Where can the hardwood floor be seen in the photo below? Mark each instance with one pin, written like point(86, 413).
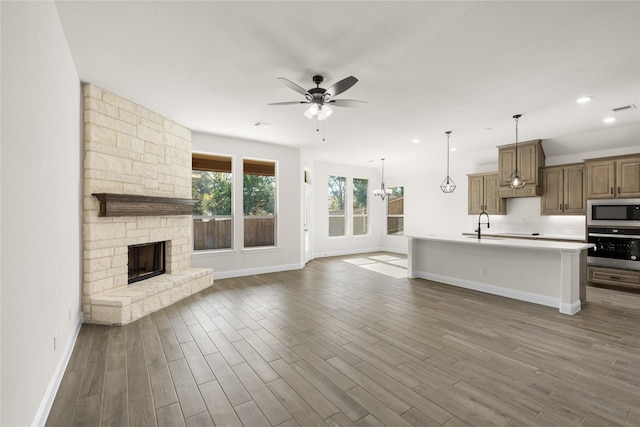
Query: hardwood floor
point(349, 342)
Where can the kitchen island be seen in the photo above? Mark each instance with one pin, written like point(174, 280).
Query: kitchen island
point(543, 272)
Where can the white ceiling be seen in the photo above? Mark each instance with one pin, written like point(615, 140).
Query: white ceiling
point(424, 67)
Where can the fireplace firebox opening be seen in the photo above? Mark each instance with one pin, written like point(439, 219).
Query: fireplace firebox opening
point(146, 260)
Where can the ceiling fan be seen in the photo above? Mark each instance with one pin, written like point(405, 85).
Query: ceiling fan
point(319, 99)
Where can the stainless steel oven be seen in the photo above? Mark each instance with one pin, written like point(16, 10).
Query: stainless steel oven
point(613, 226)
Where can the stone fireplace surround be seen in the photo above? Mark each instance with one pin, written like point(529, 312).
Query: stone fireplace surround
point(131, 150)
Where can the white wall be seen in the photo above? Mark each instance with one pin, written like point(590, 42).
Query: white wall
point(330, 246)
point(40, 209)
point(430, 211)
point(287, 254)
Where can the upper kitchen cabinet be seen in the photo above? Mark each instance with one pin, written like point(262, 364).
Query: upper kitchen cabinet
point(483, 195)
point(563, 190)
point(614, 177)
point(530, 161)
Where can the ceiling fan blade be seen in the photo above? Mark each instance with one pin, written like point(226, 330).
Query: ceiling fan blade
point(341, 86)
point(294, 86)
point(288, 103)
point(346, 103)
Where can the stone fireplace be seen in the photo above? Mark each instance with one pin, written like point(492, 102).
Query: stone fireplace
point(139, 163)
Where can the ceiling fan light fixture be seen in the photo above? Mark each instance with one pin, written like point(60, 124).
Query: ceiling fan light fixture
point(318, 99)
point(324, 112)
point(312, 111)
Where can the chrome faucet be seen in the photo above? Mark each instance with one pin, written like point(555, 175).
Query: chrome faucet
point(480, 223)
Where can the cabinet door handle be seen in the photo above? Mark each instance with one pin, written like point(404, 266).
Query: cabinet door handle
point(611, 190)
point(561, 207)
point(614, 278)
point(618, 190)
point(566, 206)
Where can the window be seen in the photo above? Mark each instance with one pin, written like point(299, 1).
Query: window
point(259, 201)
point(211, 186)
point(395, 211)
point(337, 212)
point(360, 206)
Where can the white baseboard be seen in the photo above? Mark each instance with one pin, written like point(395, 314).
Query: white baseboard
point(572, 308)
point(356, 252)
point(494, 290)
point(54, 383)
point(404, 251)
point(257, 270)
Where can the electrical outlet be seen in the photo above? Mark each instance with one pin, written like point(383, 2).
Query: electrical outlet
point(483, 271)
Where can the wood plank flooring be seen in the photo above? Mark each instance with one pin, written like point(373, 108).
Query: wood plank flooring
point(347, 342)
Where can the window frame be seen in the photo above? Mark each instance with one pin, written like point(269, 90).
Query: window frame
point(388, 215)
point(210, 162)
point(366, 215)
point(269, 168)
point(344, 208)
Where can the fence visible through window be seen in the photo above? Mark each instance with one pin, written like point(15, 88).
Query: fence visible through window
point(395, 212)
point(211, 186)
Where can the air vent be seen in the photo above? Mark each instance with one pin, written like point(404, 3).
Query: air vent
point(626, 107)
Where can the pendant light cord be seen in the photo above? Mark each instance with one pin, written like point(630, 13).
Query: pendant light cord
point(517, 116)
point(448, 133)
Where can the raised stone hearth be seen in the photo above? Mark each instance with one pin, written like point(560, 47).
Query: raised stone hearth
point(130, 150)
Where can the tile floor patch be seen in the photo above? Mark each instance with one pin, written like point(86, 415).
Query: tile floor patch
point(384, 258)
point(387, 270)
point(400, 263)
point(359, 261)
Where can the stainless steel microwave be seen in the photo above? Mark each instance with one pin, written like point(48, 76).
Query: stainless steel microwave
point(614, 212)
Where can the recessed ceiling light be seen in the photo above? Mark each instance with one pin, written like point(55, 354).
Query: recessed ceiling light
point(584, 99)
point(452, 149)
point(415, 140)
point(609, 119)
point(487, 129)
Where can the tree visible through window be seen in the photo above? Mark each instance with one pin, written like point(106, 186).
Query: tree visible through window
point(337, 201)
point(360, 206)
point(211, 186)
point(395, 211)
point(259, 201)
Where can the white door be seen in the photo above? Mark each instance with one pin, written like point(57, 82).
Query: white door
point(308, 206)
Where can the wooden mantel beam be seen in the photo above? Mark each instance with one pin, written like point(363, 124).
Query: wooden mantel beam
point(135, 205)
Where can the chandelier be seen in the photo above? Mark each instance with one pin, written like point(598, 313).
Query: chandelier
point(382, 191)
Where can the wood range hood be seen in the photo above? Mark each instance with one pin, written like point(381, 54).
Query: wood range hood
point(136, 205)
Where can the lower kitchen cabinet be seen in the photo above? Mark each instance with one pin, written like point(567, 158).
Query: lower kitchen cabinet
point(613, 277)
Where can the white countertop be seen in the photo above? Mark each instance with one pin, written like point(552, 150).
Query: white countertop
point(532, 236)
point(508, 242)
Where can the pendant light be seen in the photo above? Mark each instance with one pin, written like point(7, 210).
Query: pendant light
point(516, 180)
point(382, 191)
point(448, 185)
